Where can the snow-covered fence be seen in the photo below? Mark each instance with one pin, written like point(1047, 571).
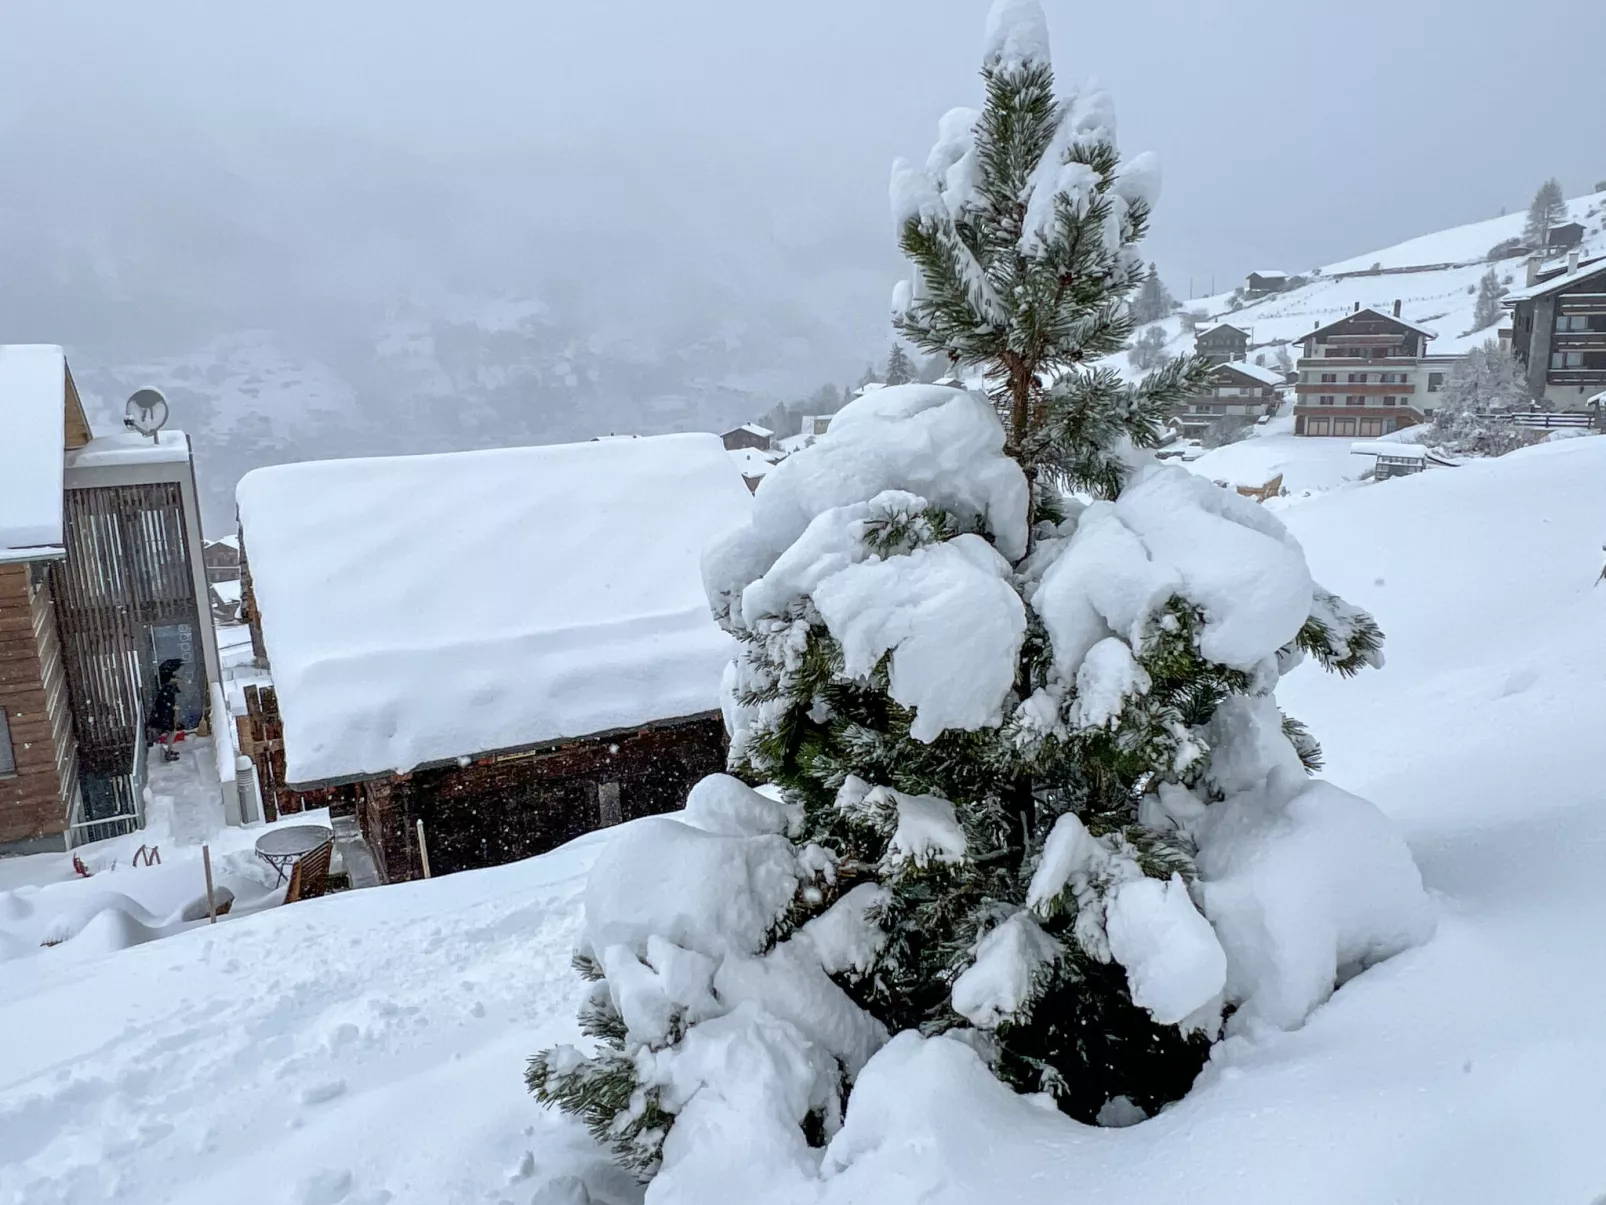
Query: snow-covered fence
point(1551, 421)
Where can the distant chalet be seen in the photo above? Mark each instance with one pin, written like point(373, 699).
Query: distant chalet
point(1365, 375)
point(1222, 343)
point(513, 646)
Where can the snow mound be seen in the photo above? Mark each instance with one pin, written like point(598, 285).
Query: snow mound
point(1173, 533)
point(1174, 963)
point(1305, 884)
point(703, 891)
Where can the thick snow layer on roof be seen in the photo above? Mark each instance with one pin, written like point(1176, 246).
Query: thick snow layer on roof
point(418, 608)
point(1562, 280)
point(33, 400)
point(1268, 376)
point(130, 447)
point(755, 429)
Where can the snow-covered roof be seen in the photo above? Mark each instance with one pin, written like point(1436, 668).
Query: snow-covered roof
point(1220, 326)
point(130, 447)
point(1563, 280)
point(227, 541)
point(755, 429)
point(752, 462)
point(421, 608)
point(33, 417)
point(1270, 273)
point(228, 592)
point(1266, 376)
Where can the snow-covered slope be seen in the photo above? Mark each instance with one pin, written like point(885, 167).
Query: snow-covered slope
point(1433, 277)
point(369, 1047)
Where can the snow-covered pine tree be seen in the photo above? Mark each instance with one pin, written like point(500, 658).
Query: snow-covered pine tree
point(1006, 671)
point(1154, 300)
point(1487, 311)
point(900, 371)
point(1548, 209)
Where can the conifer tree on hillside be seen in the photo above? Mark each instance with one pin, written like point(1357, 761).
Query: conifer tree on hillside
point(1154, 300)
point(1148, 349)
point(1488, 310)
point(1548, 209)
point(1003, 667)
point(900, 371)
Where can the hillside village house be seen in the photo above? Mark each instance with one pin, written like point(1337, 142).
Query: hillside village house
point(512, 646)
point(100, 583)
point(1238, 390)
point(1258, 284)
point(1558, 332)
point(1366, 375)
point(748, 435)
point(1222, 343)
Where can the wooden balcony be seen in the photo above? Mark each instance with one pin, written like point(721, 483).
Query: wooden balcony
point(1370, 389)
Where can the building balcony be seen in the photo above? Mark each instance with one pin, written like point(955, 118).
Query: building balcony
point(1370, 389)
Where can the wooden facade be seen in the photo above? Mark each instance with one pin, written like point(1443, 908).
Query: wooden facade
point(497, 807)
point(749, 436)
point(1559, 335)
point(36, 793)
point(1222, 343)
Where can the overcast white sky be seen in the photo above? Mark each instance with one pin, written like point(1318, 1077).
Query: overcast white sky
point(1290, 132)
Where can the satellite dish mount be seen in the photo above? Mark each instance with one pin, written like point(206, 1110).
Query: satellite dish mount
point(146, 412)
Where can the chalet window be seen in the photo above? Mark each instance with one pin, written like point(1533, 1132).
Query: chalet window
point(1317, 426)
point(1343, 426)
point(1329, 378)
point(8, 757)
point(1566, 359)
point(1572, 322)
point(1325, 400)
point(608, 810)
point(1435, 382)
point(1389, 401)
point(1372, 426)
point(1354, 399)
point(1357, 378)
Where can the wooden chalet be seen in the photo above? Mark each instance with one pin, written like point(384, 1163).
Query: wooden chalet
point(1222, 343)
point(1233, 391)
point(222, 559)
point(100, 582)
point(500, 650)
point(748, 435)
point(1265, 281)
point(1365, 375)
point(1558, 332)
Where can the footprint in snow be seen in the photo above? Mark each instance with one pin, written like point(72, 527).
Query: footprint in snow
point(317, 1094)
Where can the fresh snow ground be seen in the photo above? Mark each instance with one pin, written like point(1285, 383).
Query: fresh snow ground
point(370, 1047)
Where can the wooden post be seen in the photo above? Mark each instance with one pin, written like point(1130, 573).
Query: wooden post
point(423, 849)
point(211, 904)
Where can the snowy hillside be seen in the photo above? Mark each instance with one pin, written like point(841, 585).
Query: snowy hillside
point(1434, 278)
point(369, 1048)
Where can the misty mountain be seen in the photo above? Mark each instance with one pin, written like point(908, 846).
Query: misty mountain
point(309, 293)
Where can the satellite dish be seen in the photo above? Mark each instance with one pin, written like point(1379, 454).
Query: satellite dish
point(146, 412)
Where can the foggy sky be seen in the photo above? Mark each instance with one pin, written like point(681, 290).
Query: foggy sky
point(757, 136)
